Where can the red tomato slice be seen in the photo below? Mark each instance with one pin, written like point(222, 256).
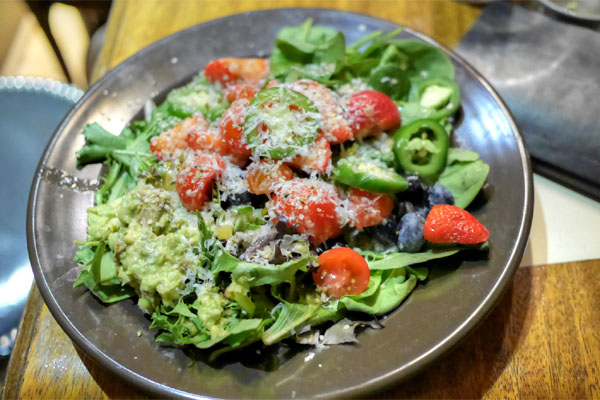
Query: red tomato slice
point(371, 113)
point(343, 271)
point(229, 71)
point(231, 128)
point(263, 175)
point(195, 178)
point(318, 157)
point(309, 205)
point(368, 209)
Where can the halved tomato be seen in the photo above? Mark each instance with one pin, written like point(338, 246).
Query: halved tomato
point(343, 271)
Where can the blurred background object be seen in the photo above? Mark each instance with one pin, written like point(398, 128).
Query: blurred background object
point(49, 42)
point(50, 39)
point(586, 10)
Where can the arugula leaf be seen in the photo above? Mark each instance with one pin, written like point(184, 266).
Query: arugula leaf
point(258, 274)
point(464, 176)
point(397, 260)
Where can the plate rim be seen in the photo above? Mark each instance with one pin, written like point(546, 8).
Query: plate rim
point(564, 11)
point(377, 384)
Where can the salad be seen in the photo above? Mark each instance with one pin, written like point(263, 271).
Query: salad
point(288, 198)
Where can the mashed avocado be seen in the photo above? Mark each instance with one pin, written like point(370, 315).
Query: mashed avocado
point(154, 239)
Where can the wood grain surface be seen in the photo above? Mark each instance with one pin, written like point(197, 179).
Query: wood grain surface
point(542, 341)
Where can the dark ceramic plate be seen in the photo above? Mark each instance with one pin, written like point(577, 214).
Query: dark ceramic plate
point(434, 318)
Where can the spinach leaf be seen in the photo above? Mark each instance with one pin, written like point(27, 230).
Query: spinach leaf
point(391, 80)
point(307, 51)
point(456, 155)
point(424, 60)
point(300, 43)
point(464, 178)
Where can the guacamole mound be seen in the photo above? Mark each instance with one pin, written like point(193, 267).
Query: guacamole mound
point(154, 239)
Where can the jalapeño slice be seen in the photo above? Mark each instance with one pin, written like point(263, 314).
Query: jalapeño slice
point(367, 175)
point(280, 122)
point(422, 148)
point(440, 95)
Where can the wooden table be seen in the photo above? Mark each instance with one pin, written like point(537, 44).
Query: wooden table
point(542, 340)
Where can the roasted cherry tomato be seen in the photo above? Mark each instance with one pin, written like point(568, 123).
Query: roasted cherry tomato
point(206, 140)
point(310, 206)
point(333, 124)
point(231, 128)
point(241, 91)
point(264, 175)
point(279, 122)
point(317, 157)
point(343, 271)
point(229, 71)
point(169, 142)
point(370, 113)
point(369, 176)
point(195, 178)
point(422, 148)
point(368, 209)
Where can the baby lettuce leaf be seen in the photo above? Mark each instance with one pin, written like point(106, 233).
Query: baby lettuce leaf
point(99, 274)
point(258, 274)
point(464, 176)
point(288, 317)
point(393, 289)
point(398, 260)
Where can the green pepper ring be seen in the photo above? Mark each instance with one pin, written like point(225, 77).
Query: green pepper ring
point(437, 161)
point(370, 177)
point(417, 92)
point(280, 149)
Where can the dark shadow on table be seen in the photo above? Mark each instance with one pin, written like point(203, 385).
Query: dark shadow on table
point(471, 369)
